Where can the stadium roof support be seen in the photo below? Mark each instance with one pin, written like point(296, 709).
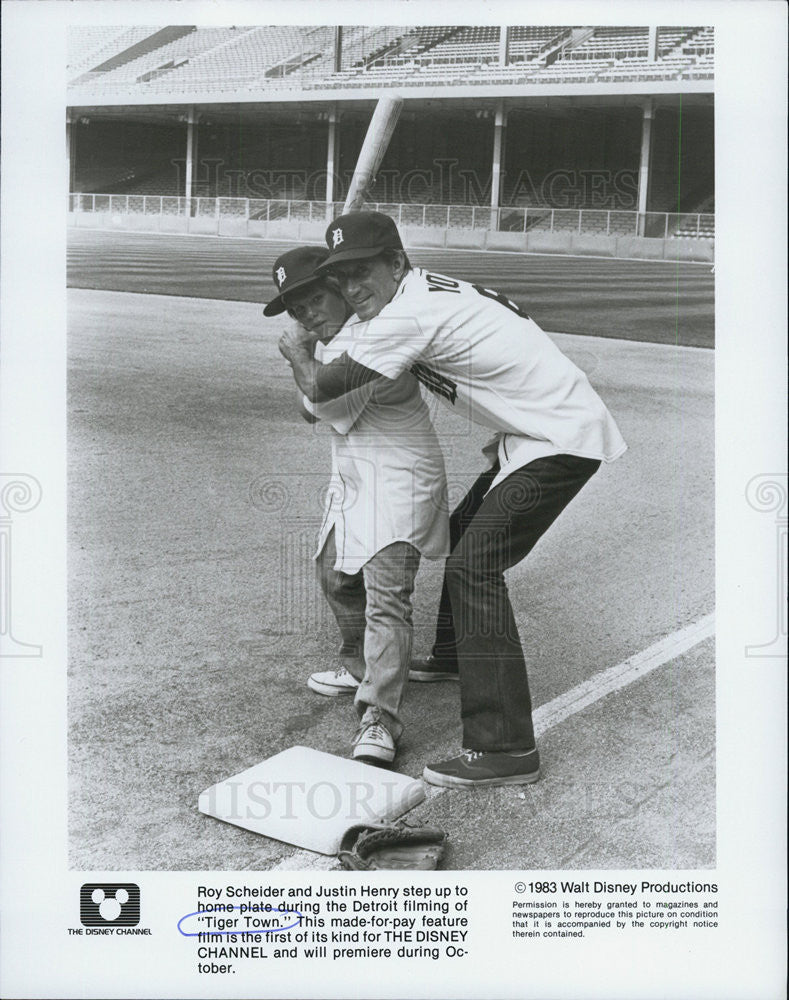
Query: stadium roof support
point(652, 44)
point(191, 155)
point(337, 49)
point(71, 152)
point(498, 157)
point(645, 160)
point(504, 45)
point(332, 156)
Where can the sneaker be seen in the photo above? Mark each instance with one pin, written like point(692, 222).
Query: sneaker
point(333, 682)
point(374, 744)
point(430, 669)
point(486, 767)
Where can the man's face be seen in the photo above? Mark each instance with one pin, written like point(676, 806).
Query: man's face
point(319, 309)
point(367, 285)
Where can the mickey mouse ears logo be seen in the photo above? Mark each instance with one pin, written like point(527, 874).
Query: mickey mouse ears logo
point(109, 905)
point(106, 904)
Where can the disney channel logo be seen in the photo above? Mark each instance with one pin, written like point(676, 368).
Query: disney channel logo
point(109, 904)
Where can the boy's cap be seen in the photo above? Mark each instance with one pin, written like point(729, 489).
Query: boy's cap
point(358, 235)
point(293, 270)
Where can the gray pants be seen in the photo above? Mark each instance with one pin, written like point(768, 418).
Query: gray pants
point(374, 615)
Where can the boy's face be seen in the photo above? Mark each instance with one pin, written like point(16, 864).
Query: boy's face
point(367, 285)
point(319, 309)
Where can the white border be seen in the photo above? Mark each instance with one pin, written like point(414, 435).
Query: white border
point(746, 958)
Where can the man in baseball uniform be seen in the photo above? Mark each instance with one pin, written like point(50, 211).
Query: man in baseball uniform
point(386, 507)
point(486, 359)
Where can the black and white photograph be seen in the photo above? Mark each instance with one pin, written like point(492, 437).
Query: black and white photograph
point(538, 237)
point(392, 457)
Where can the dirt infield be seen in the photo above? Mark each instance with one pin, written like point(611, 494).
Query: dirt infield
point(194, 618)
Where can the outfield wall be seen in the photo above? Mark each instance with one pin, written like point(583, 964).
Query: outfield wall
point(417, 237)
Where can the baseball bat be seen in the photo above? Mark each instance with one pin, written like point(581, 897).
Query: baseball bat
point(376, 142)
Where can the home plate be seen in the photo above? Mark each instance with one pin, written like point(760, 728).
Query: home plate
point(309, 798)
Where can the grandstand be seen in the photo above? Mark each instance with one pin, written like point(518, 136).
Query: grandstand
point(530, 43)
point(553, 129)
point(219, 60)
point(90, 47)
point(190, 47)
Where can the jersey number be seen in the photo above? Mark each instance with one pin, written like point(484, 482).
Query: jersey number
point(440, 283)
point(438, 384)
point(501, 299)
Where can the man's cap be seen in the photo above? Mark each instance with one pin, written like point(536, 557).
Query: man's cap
point(293, 270)
point(358, 235)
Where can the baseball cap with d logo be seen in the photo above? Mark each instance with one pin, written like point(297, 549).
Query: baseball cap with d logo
point(358, 235)
point(293, 270)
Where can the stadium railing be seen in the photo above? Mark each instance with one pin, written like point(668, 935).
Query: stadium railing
point(514, 219)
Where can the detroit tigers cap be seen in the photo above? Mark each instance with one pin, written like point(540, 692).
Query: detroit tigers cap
point(358, 235)
point(293, 270)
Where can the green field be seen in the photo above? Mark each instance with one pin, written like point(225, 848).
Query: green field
point(656, 301)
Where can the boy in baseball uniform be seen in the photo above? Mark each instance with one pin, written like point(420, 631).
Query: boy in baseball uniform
point(386, 508)
point(486, 359)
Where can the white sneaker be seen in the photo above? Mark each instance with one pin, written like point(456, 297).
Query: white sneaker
point(333, 682)
point(374, 743)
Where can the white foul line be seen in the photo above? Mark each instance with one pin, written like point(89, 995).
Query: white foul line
point(575, 700)
point(635, 667)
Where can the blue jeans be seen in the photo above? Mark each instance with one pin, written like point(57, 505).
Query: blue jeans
point(476, 632)
point(374, 615)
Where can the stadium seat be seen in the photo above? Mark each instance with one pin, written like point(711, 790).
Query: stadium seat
point(250, 59)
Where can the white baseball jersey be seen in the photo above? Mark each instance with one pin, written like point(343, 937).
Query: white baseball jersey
point(388, 481)
point(489, 361)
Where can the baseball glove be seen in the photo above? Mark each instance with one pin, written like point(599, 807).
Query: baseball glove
point(392, 846)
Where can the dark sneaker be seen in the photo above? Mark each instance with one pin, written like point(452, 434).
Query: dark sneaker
point(374, 744)
point(333, 682)
point(430, 669)
point(486, 767)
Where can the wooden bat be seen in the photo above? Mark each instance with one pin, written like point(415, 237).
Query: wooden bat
point(376, 142)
